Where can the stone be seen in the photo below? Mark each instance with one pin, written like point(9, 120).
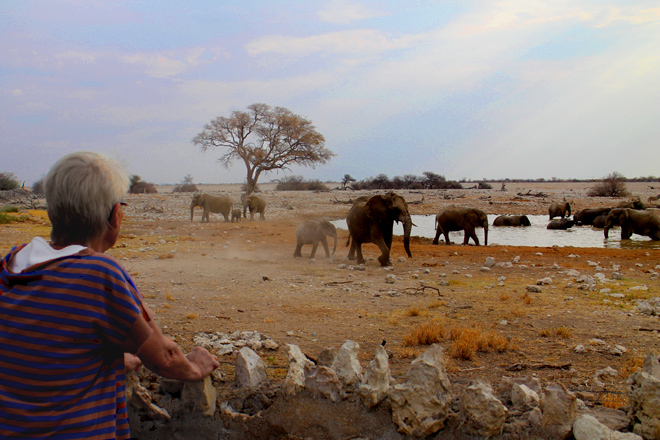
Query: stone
point(533, 289)
point(323, 381)
point(651, 365)
point(587, 427)
point(199, 397)
point(295, 376)
point(482, 414)
point(490, 262)
point(505, 386)
point(644, 397)
point(523, 397)
point(377, 379)
point(346, 364)
point(250, 369)
point(559, 409)
point(573, 273)
point(618, 350)
point(421, 404)
point(326, 357)
point(390, 278)
point(580, 348)
point(544, 281)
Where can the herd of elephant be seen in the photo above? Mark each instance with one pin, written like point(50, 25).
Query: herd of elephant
point(632, 216)
point(223, 204)
point(371, 220)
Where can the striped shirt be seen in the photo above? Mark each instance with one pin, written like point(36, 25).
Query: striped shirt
point(63, 326)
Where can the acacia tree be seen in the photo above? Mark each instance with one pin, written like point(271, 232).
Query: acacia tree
point(265, 139)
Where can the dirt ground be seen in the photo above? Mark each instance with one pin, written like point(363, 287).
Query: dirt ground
point(227, 277)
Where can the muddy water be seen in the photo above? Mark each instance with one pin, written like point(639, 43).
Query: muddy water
point(535, 235)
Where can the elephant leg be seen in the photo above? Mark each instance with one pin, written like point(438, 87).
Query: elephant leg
point(358, 251)
point(324, 242)
point(384, 258)
point(205, 216)
point(226, 216)
point(470, 233)
point(351, 251)
point(446, 234)
point(297, 252)
point(437, 236)
point(262, 216)
point(314, 246)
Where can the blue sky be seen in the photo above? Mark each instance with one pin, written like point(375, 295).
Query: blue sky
point(466, 89)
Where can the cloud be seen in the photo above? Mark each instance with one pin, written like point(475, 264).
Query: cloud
point(352, 42)
point(343, 12)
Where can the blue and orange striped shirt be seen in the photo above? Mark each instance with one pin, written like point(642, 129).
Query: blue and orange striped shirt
point(63, 325)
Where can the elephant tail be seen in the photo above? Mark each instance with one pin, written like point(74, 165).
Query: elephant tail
point(348, 240)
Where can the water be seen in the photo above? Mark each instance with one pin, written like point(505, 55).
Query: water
point(535, 235)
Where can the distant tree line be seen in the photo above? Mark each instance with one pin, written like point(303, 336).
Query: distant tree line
point(297, 183)
point(429, 180)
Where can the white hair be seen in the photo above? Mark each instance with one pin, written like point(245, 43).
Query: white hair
point(81, 190)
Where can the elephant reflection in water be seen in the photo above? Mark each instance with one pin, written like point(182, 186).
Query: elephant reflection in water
point(371, 220)
point(314, 232)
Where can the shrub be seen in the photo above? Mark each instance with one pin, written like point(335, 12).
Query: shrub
point(186, 185)
point(612, 186)
point(8, 181)
point(38, 187)
point(139, 186)
point(484, 185)
point(297, 183)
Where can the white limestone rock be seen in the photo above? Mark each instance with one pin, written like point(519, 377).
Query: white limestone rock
point(377, 379)
point(524, 397)
point(420, 405)
point(482, 414)
point(199, 397)
point(347, 366)
point(559, 409)
point(295, 376)
point(587, 427)
point(644, 397)
point(323, 381)
point(250, 369)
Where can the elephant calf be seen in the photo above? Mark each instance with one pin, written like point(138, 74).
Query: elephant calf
point(236, 215)
point(313, 232)
point(563, 223)
point(559, 209)
point(458, 218)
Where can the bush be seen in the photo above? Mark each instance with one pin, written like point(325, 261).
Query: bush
point(484, 185)
point(8, 181)
point(612, 186)
point(297, 183)
point(38, 187)
point(186, 186)
point(139, 186)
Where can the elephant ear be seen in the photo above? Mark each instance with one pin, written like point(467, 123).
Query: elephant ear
point(377, 209)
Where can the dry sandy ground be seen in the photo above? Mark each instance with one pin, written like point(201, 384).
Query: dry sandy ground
point(242, 276)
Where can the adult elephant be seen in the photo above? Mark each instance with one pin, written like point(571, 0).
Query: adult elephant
point(255, 204)
point(634, 221)
point(587, 216)
point(562, 223)
point(217, 204)
point(512, 220)
point(559, 209)
point(315, 232)
point(372, 221)
point(458, 218)
point(632, 203)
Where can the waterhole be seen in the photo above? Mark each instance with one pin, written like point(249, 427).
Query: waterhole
point(535, 235)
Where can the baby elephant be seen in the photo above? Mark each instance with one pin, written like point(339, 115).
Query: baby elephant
point(236, 215)
point(512, 220)
point(311, 232)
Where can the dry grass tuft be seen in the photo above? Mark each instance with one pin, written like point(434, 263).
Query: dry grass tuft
point(165, 256)
point(192, 316)
point(630, 366)
point(416, 310)
point(526, 298)
point(561, 332)
point(425, 334)
point(504, 296)
point(614, 400)
point(169, 296)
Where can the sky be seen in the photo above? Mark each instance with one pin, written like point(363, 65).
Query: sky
point(518, 89)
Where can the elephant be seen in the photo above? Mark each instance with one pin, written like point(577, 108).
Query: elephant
point(512, 220)
point(599, 222)
point(587, 216)
point(255, 204)
point(559, 209)
point(562, 223)
point(457, 218)
point(633, 203)
point(371, 220)
point(217, 204)
point(635, 221)
point(313, 232)
point(236, 215)
point(653, 199)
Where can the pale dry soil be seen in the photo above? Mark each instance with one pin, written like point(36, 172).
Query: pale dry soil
point(227, 277)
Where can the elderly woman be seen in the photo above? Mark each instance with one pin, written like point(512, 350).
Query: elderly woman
point(71, 318)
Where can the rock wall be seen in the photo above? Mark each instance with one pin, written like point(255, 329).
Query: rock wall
point(334, 399)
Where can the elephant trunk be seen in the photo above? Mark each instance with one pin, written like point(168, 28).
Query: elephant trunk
point(607, 229)
point(192, 211)
point(486, 234)
point(407, 227)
